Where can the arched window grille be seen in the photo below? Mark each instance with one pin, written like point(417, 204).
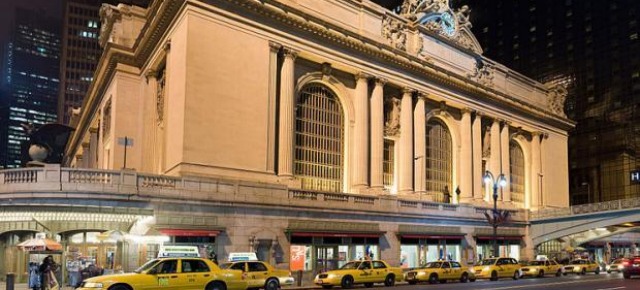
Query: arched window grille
point(516, 169)
point(319, 139)
point(439, 159)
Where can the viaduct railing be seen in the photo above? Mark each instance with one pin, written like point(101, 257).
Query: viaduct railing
point(53, 181)
point(620, 204)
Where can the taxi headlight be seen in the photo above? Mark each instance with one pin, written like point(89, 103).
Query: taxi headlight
point(486, 269)
point(422, 273)
point(332, 276)
point(621, 267)
point(92, 285)
point(608, 267)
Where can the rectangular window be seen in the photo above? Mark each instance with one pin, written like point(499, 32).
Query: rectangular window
point(388, 163)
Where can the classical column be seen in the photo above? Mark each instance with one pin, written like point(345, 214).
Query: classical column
point(93, 148)
point(361, 104)
point(466, 159)
point(476, 132)
point(535, 170)
point(287, 117)
point(377, 134)
point(543, 149)
point(274, 48)
point(406, 142)
point(494, 158)
point(150, 123)
point(506, 169)
point(85, 155)
point(419, 123)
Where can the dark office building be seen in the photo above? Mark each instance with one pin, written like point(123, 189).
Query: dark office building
point(592, 47)
point(30, 75)
point(80, 51)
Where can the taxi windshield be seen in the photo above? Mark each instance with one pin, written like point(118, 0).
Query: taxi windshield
point(433, 265)
point(147, 266)
point(488, 262)
point(577, 262)
point(536, 263)
point(350, 265)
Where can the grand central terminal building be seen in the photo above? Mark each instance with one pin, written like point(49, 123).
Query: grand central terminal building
point(311, 132)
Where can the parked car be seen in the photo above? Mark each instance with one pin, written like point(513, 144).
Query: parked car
point(541, 268)
point(494, 268)
point(261, 275)
point(581, 267)
point(617, 265)
point(440, 271)
point(633, 268)
point(360, 272)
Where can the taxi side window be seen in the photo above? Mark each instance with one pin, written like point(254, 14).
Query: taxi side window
point(500, 262)
point(446, 265)
point(237, 266)
point(167, 267)
point(365, 265)
point(378, 265)
point(257, 267)
point(455, 265)
point(194, 266)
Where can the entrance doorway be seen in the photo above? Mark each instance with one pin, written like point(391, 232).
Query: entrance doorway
point(327, 258)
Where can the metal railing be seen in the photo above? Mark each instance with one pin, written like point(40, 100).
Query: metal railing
point(619, 204)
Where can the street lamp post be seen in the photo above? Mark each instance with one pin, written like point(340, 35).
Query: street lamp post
point(498, 217)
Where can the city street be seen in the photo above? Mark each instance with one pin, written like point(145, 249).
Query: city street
point(588, 282)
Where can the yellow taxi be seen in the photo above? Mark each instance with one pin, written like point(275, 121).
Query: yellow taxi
point(261, 275)
point(581, 267)
point(171, 274)
point(440, 271)
point(494, 268)
point(617, 265)
point(541, 268)
point(360, 272)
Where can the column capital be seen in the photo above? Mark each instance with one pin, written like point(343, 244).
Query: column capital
point(362, 75)
point(380, 81)
point(289, 52)
point(274, 46)
point(167, 45)
point(85, 145)
point(93, 130)
point(150, 73)
point(467, 110)
point(422, 96)
point(408, 90)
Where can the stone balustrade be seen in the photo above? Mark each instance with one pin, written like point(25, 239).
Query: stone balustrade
point(56, 182)
point(621, 204)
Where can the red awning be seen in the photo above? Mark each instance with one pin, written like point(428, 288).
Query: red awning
point(189, 233)
point(428, 236)
point(336, 234)
point(502, 238)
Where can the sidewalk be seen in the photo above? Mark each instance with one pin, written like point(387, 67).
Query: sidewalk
point(23, 286)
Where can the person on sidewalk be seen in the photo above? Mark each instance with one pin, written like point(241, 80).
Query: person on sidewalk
point(34, 276)
point(48, 270)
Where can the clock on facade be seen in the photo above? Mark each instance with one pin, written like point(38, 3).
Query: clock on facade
point(448, 24)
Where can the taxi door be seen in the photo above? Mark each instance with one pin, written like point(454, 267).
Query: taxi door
point(257, 274)
point(365, 273)
point(379, 271)
point(194, 274)
point(456, 271)
point(445, 271)
point(166, 276)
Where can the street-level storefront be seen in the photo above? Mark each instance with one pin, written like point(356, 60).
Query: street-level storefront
point(509, 243)
point(422, 244)
point(321, 246)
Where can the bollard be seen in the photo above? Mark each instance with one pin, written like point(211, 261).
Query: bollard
point(11, 280)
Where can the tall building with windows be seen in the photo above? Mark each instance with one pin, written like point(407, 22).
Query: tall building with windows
point(589, 46)
point(80, 51)
point(30, 76)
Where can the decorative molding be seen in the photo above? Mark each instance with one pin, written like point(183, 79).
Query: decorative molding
point(395, 32)
point(322, 226)
point(483, 73)
point(392, 116)
point(556, 98)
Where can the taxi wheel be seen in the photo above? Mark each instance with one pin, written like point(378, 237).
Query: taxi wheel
point(598, 271)
point(626, 275)
point(464, 278)
point(559, 273)
point(584, 271)
point(119, 287)
point(216, 286)
point(516, 275)
point(389, 281)
point(472, 280)
point(541, 273)
point(272, 284)
point(368, 285)
point(608, 271)
point(494, 276)
point(433, 279)
point(413, 282)
point(347, 282)
point(327, 286)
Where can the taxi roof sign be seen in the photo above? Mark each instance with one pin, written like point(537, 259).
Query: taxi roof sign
point(235, 257)
point(179, 251)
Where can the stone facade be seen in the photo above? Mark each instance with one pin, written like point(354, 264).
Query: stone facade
point(209, 92)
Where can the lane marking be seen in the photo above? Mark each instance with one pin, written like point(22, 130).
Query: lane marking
point(552, 284)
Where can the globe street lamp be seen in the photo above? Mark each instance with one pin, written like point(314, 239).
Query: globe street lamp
point(497, 217)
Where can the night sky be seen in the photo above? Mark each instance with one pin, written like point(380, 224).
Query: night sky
point(51, 8)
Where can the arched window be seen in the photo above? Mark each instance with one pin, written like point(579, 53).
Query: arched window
point(319, 139)
point(516, 167)
point(439, 159)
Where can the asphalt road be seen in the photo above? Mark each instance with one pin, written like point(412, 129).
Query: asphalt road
point(570, 282)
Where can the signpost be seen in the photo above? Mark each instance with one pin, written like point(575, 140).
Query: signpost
point(126, 142)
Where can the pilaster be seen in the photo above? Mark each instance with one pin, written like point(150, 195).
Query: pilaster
point(505, 159)
point(377, 134)
point(535, 171)
point(476, 136)
point(406, 142)
point(466, 159)
point(287, 117)
point(361, 170)
point(419, 124)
